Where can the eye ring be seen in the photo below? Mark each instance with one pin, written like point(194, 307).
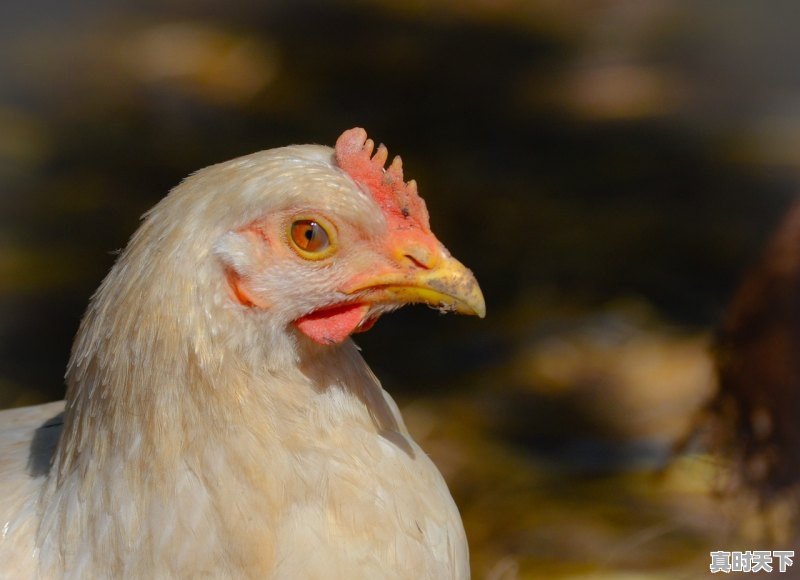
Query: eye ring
point(311, 237)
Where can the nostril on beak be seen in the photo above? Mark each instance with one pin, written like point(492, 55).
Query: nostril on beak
point(420, 257)
point(416, 262)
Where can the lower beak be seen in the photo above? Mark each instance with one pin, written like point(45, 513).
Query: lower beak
point(448, 286)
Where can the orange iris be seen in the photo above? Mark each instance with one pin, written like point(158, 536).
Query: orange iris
point(309, 236)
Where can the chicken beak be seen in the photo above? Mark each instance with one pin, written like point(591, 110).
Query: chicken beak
point(447, 285)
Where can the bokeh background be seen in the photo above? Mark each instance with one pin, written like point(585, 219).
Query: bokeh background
point(608, 169)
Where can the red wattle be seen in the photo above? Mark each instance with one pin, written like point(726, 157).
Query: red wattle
point(332, 325)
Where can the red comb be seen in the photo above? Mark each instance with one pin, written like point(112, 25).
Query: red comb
point(398, 199)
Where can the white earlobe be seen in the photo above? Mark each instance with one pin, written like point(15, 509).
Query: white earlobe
point(236, 251)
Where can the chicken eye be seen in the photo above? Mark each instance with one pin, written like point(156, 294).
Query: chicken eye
point(310, 237)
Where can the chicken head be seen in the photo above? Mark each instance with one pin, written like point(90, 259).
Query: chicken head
point(350, 244)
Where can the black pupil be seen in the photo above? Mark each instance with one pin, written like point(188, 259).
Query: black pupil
point(310, 232)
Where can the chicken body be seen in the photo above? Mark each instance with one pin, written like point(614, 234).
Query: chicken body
point(219, 422)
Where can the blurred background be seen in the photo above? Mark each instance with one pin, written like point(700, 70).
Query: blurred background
point(608, 169)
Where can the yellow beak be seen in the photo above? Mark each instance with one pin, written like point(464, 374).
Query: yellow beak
point(447, 285)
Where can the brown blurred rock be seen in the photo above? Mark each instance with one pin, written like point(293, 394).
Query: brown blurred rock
point(637, 377)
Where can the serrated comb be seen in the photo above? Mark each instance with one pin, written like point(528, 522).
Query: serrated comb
point(399, 200)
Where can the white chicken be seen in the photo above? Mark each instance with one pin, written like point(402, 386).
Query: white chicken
point(219, 422)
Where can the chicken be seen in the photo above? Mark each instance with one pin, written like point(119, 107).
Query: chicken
point(219, 421)
point(754, 415)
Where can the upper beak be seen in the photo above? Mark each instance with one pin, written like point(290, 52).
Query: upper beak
point(446, 284)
